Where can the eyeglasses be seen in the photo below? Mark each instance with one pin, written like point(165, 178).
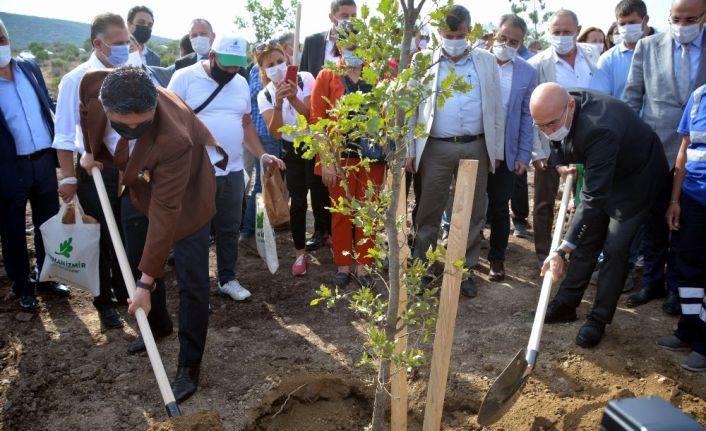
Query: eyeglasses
point(687, 20)
point(552, 124)
point(263, 46)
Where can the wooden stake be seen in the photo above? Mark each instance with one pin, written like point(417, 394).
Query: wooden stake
point(297, 28)
point(450, 288)
point(399, 375)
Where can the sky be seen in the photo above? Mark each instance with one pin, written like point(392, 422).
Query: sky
point(173, 21)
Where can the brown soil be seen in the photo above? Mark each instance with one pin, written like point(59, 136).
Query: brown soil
point(201, 421)
point(276, 363)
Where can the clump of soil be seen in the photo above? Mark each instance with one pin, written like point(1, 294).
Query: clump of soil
point(205, 420)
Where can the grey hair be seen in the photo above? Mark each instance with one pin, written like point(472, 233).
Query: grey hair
point(201, 21)
point(286, 38)
point(128, 90)
point(514, 21)
point(566, 12)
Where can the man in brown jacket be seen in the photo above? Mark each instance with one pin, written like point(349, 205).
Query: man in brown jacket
point(167, 196)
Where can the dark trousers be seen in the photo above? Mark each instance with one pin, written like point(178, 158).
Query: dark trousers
point(688, 260)
point(546, 186)
point(296, 174)
point(615, 238)
point(656, 242)
point(320, 201)
point(500, 189)
point(226, 223)
point(191, 266)
point(520, 200)
point(111, 279)
point(36, 184)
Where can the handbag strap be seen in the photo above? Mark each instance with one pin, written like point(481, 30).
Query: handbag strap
point(210, 98)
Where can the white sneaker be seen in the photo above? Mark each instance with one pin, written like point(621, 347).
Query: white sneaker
point(235, 291)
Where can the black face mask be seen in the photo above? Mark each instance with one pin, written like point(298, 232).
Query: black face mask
point(130, 133)
point(219, 75)
point(142, 33)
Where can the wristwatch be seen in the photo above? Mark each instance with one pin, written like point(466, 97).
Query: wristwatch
point(561, 252)
point(150, 287)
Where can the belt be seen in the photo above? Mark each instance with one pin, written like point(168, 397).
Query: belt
point(465, 139)
point(35, 155)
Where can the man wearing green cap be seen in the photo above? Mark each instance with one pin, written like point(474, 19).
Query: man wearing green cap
point(221, 99)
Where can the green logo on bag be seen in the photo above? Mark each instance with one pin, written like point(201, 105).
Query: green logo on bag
point(65, 248)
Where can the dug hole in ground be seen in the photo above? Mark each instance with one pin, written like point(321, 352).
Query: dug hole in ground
point(58, 371)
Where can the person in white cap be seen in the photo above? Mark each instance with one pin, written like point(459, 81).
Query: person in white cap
point(221, 99)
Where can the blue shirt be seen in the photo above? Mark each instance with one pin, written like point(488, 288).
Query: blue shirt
point(22, 109)
point(462, 113)
point(255, 88)
point(695, 179)
point(525, 53)
point(612, 71)
point(695, 56)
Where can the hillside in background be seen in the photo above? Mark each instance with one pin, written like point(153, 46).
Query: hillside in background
point(25, 29)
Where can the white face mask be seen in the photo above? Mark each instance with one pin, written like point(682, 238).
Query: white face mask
point(277, 73)
point(5, 55)
point(685, 33)
point(598, 47)
point(561, 132)
point(504, 52)
point(630, 33)
point(618, 39)
point(201, 45)
point(134, 59)
point(563, 44)
point(454, 47)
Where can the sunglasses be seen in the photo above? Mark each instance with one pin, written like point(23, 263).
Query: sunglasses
point(263, 46)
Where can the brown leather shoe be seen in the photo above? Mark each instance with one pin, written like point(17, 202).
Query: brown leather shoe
point(497, 270)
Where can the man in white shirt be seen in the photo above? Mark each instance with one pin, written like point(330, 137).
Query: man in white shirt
point(571, 65)
point(111, 40)
point(221, 99)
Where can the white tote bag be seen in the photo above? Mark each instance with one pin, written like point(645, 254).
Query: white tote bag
point(71, 250)
point(264, 234)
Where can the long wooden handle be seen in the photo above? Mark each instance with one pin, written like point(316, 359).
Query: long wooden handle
point(142, 323)
point(533, 345)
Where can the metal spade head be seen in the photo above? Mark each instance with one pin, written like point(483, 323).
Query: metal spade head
point(505, 390)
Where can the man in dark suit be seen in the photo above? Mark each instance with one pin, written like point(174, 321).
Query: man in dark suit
point(318, 49)
point(28, 165)
point(140, 20)
point(168, 197)
point(201, 36)
point(624, 162)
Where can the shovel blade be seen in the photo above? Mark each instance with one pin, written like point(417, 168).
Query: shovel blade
point(505, 390)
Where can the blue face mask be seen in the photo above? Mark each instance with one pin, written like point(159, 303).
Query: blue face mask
point(351, 60)
point(119, 55)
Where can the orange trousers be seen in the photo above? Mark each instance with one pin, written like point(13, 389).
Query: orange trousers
point(347, 240)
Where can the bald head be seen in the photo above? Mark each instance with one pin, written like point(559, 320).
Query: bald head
point(685, 9)
point(551, 107)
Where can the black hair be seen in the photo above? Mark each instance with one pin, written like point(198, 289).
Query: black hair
point(335, 4)
point(185, 44)
point(628, 7)
point(128, 90)
point(457, 15)
point(131, 14)
point(514, 21)
point(101, 23)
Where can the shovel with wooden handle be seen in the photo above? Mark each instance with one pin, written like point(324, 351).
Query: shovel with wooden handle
point(157, 366)
point(508, 386)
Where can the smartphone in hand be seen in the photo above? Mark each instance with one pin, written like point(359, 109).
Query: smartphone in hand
point(291, 75)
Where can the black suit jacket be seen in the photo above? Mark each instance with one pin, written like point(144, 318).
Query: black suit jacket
point(314, 53)
point(623, 157)
point(8, 150)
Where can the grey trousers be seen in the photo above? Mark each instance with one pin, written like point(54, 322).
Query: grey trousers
point(229, 209)
point(546, 188)
point(437, 169)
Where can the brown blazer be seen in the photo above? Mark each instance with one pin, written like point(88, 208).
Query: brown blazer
point(178, 187)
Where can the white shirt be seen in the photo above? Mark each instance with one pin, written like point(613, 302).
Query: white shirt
point(577, 76)
point(289, 114)
point(328, 56)
point(462, 114)
point(223, 116)
point(67, 125)
point(506, 72)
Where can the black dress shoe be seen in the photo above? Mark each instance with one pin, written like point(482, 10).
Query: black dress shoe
point(469, 288)
point(645, 295)
point(558, 312)
point(341, 279)
point(590, 334)
point(54, 288)
point(185, 382)
point(671, 304)
point(138, 345)
point(109, 317)
point(27, 303)
point(316, 241)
